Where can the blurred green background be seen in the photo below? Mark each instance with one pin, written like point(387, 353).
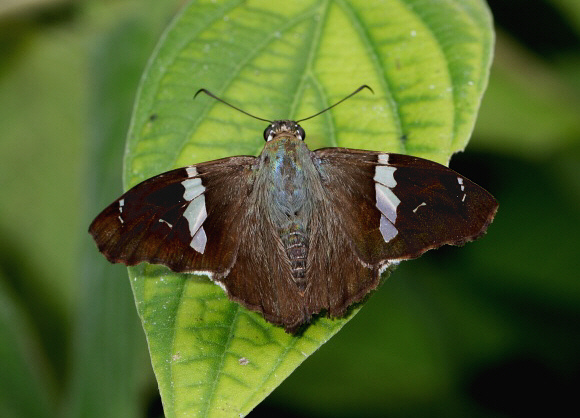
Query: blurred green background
point(488, 330)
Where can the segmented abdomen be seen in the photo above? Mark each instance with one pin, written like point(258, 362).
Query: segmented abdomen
point(296, 246)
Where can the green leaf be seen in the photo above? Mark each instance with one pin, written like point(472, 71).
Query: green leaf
point(530, 108)
point(428, 64)
point(108, 360)
point(27, 387)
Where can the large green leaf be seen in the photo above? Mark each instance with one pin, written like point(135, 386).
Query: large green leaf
point(428, 64)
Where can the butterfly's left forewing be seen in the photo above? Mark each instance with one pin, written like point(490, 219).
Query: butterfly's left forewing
point(168, 218)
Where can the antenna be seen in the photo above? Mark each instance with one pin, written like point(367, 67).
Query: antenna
point(210, 94)
point(364, 86)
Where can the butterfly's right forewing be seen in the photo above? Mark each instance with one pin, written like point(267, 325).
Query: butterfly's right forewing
point(378, 209)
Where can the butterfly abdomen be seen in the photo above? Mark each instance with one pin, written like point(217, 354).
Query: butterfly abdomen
point(295, 242)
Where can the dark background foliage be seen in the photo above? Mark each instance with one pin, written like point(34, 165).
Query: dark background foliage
point(490, 329)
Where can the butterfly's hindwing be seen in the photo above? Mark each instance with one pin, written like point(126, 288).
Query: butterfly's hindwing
point(261, 277)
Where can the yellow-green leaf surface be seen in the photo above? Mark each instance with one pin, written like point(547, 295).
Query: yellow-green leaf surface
point(427, 62)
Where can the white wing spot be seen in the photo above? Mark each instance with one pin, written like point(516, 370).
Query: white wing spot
point(193, 188)
point(165, 222)
point(385, 174)
point(121, 204)
point(422, 204)
point(383, 158)
point(460, 181)
point(195, 213)
point(121, 219)
point(199, 240)
point(387, 201)
point(388, 230)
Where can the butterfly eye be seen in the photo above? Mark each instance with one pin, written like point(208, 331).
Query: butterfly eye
point(267, 133)
point(301, 132)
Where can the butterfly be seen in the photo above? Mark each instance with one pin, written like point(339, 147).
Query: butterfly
point(292, 232)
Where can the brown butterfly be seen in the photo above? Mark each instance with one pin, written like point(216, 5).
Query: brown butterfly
point(293, 232)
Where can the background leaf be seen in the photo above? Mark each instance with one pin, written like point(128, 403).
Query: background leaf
point(428, 66)
point(108, 358)
point(31, 393)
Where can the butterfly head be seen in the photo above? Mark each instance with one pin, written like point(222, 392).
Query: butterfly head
point(279, 127)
